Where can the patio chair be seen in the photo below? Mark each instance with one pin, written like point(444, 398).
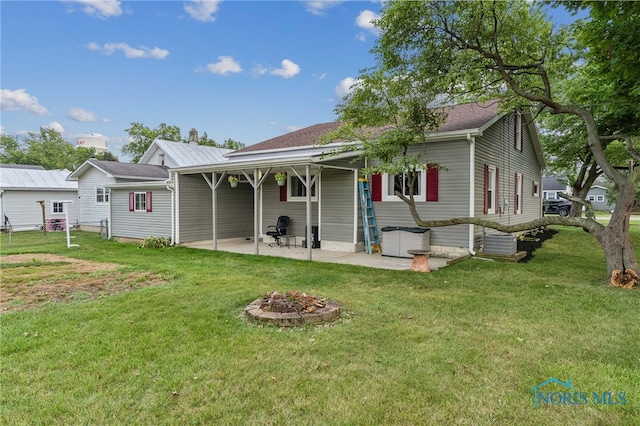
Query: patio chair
point(278, 230)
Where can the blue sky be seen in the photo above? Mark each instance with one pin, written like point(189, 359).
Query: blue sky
point(246, 70)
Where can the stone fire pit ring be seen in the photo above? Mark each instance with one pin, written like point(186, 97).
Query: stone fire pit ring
point(255, 312)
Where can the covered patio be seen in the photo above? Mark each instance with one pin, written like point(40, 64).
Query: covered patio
point(375, 260)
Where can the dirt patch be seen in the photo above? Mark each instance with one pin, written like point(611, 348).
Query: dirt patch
point(31, 280)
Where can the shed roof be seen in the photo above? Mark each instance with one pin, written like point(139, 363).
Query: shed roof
point(35, 179)
point(122, 170)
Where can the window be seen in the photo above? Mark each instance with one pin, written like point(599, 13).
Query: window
point(102, 195)
point(402, 183)
point(518, 194)
point(591, 197)
point(140, 202)
point(297, 190)
point(518, 132)
point(491, 176)
point(600, 198)
point(535, 189)
point(57, 207)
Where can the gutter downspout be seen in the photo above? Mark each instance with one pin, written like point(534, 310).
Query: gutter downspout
point(472, 186)
point(169, 184)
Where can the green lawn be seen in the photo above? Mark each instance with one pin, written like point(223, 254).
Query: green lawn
point(461, 345)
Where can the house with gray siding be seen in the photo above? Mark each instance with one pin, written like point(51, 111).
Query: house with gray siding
point(94, 179)
point(27, 193)
point(599, 198)
point(123, 193)
point(489, 165)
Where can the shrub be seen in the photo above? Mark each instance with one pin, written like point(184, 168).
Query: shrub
point(155, 242)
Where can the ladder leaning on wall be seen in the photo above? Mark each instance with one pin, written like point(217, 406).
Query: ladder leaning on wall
point(369, 226)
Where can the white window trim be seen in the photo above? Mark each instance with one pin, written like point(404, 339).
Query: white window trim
point(518, 143)
point(105, 195)
point(518, 194)
point(491, 184)
point(422, 184)
point(135, 202)
point(298, 199)
point(536, 186)
point(599, 198)
point(52, 207)
point(591, 197)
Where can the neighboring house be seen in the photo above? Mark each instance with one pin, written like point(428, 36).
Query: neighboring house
point(553, 186)
point(93, 179)
point(22, 188)
point(491, 167)
point(599, 200)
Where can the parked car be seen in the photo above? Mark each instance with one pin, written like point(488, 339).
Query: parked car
point(560, 207)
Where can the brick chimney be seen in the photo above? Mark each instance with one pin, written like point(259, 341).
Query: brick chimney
point(193, 136)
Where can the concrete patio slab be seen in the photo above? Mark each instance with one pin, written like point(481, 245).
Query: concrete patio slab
point(375, 260)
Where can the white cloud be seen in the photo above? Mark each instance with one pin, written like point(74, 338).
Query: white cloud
point(16, 100)
point(346, 86)
point(100, 8)
point(288, 70)
point(225, 65)
point(318, 7)
point(290, 129)
point(202, 10)
point(365, 21)
point(55, 126)
point(79, 114)
point(129, 52)
point(259, 70)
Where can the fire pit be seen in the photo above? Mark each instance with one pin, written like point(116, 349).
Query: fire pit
point(292, 309)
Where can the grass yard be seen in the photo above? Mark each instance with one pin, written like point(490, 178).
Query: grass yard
point(462, 345)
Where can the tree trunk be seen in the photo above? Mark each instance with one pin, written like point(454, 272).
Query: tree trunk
point(615, 239)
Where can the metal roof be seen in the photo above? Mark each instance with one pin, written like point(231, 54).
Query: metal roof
point(35, 179)
point(187, 154)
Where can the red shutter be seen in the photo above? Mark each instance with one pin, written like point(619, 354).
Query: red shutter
point(432, 182)
point(497, 188)
point(486, 187)
point(148, 201)
point(283, 193)
point(376, 187)
point(132, 201)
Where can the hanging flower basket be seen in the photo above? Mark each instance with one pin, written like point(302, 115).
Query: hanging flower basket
point(233, 181)
point(281, 178)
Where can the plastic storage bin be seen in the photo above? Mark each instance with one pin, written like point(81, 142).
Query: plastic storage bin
point(396, 240)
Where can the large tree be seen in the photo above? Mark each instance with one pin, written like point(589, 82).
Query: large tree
point(142, 137)
point(511, 51)
point(46, 148)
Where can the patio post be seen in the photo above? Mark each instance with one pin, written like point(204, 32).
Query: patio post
point(256, 212)
point(308, 187)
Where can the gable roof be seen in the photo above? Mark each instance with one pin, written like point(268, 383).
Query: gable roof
point(119, 170)
point(552, 183)
point(35, 179)
point(470, 116)
point(185, 154)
